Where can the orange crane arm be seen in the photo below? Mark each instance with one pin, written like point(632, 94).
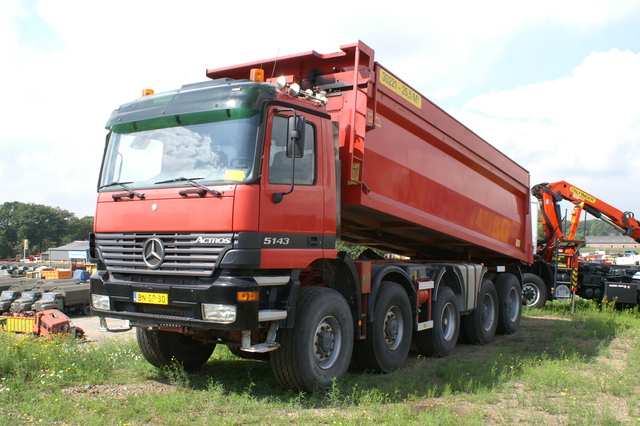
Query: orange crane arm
point(550, 195)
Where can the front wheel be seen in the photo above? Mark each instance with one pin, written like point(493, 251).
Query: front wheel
point(534, 291)
point(389, 335)
point(318, 349)
point(509, 302)
point(160, 348)
point(441, 339)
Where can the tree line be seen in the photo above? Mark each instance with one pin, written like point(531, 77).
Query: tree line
point(591, 228)
point(42, 226)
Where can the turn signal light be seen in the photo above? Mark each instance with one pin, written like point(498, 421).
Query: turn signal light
point(248, 296)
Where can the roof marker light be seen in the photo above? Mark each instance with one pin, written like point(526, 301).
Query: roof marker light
point(257, 75)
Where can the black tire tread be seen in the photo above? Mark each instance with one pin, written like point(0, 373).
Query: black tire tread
point(283, 358)
point(289, 368)
point(472, 323)
point(365, 353)
point(542, 288)
point(427, 342)
point(504, 283)
point(160, 349)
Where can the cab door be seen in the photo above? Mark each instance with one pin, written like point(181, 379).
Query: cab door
point(291, 225)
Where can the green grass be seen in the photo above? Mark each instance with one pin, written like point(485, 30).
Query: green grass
point(559, 368)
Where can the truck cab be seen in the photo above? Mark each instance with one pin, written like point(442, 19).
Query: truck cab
point(188, 193)
point(26, 301)
point(7, 297)
point(50, 300)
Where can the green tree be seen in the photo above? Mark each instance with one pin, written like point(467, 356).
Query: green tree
point(10, 214)
point(41, 225)
point(45, 226)
point(78, 229)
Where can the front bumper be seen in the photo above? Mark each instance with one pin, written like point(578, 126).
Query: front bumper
point(183, 306)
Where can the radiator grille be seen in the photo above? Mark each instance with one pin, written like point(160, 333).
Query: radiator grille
point(123, 253)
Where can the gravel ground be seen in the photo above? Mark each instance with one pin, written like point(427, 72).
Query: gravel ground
point(91, 325)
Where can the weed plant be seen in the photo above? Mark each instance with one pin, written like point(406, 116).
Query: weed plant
point(578, 366)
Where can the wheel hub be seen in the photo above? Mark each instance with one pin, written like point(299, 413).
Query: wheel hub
point(327, 342)
point(324, 341)
point(530, 294)
point(392, 329)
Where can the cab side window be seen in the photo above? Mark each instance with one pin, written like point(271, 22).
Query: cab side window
point(280, 165)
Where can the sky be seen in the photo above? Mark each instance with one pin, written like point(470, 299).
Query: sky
point(555, 85)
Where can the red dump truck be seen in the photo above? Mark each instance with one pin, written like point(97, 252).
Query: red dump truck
point(220, 205)
point(47, 323)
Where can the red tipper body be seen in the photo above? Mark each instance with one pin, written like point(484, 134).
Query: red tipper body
point(414, 179)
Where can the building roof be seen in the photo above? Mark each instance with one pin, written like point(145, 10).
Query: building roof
point(74, 246)
point(610, 239)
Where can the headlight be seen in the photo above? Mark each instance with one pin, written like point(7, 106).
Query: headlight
point(224, 314)
point(98, 301)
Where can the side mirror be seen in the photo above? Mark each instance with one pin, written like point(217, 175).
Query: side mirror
point(295, 132)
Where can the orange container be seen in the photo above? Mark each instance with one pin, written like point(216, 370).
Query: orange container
point(56, 274)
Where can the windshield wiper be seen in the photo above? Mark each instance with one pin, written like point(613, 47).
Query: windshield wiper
point(201, 191)
point(131, 193)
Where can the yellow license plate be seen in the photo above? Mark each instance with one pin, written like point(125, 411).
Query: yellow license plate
point(151, 298)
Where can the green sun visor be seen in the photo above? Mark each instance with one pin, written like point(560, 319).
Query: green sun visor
point(184, 120)
point(199, 103)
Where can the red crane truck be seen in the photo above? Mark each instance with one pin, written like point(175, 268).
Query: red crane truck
point(220, 205)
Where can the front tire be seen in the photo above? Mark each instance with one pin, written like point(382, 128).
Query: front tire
point(160, 348)
point(318, 349)
point(510, 303)
point(440, 340)
point(480, 326)
point(534, 291)
point(389, 336)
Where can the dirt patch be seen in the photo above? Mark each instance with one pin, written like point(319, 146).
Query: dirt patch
point(119, 391)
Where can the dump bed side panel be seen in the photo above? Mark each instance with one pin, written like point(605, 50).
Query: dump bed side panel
point(419, 183)
point(414, 180)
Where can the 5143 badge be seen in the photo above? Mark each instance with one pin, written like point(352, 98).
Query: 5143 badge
point(276, 241)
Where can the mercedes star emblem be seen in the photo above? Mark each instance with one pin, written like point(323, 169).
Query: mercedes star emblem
point(153, 253)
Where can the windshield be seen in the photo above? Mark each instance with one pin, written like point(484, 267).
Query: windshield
point(145, 153)
point(6, 294)
point(50, 296)
point(28, 295)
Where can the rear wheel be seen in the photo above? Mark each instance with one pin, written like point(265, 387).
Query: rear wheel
point(441, 339)
point(389, 336)
point(160, 348)
point(534, 291)
point(480, 326)
point(318, 349)
point(509, 302)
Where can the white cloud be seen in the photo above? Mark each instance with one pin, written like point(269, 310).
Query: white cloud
point(106, 53)
point(584, 128)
